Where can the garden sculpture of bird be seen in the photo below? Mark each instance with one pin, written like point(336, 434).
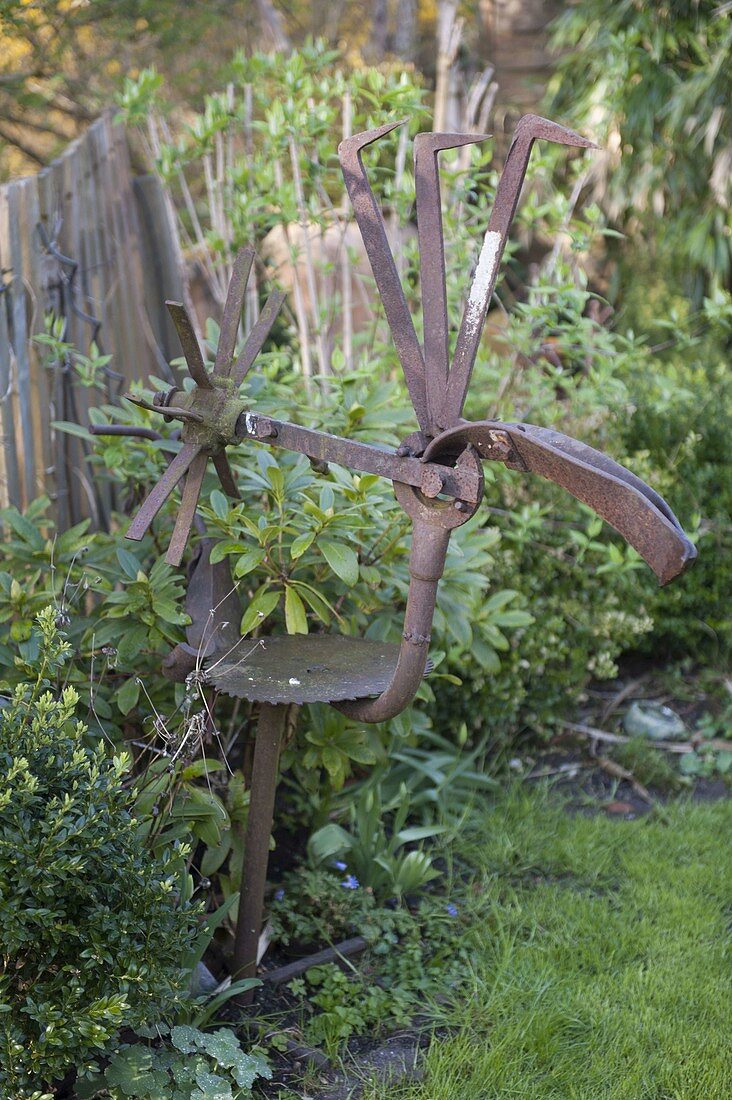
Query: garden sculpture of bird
point(436, 472)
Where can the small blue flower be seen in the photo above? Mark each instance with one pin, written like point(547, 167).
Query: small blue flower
point(350, 882)
point(339, 865)
point(452, 910)
point(279, 894)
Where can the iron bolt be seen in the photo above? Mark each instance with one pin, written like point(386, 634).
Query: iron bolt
point(432, 483)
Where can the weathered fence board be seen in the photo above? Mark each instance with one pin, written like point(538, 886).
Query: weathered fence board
point(84, 242)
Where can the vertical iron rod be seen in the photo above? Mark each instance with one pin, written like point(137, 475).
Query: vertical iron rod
point(270, 725)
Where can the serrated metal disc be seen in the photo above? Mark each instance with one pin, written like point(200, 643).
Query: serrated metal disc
point(307, 668)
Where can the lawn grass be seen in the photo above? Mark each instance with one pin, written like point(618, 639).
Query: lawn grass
point(601, 959)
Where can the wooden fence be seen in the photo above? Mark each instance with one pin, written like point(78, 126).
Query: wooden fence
point(86, 242)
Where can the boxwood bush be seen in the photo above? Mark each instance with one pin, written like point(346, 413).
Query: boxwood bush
point(91, 932)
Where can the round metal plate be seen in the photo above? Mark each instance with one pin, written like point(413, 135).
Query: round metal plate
point(307, 668)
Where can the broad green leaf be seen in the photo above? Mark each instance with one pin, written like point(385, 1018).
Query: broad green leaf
point(295, 617)
point(329, 841)
point(219, 503)
point(130, 564)
point(200, 767)
point(78, 430)
point(301, 544)
point(263, 604)
point(186, 1039)
point(342, 559)
point(222, 549)
point(128, 695)
point(249, 561)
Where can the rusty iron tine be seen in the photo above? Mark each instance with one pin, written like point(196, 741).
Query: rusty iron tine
point(189, 343)
point(226, 477)
point(255, 339)
point(373, 231)
point(529, 129)
point(163, 488)
point(187, 510)
point(168, 410)
point(432, 264)
point(232, 312)
point(125, 429)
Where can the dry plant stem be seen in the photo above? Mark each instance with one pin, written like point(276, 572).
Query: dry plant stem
point(218, 286)
point(668, 746)
point(256, 849)
point(300, 314)
point(252, 296)
point(449, 35)
point(621, 696)
point(396, 231)
point(323, 364)
point(345, 263)
point(617, 771)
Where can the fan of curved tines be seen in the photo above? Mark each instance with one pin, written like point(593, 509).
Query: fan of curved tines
point(436, 389)
point(192, 458)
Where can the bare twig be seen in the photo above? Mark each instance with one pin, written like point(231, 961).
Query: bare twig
point(617, 771)
point(680, 747)
point(345, 262)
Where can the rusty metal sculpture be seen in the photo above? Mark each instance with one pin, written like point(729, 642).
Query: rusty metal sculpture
point(437, 476)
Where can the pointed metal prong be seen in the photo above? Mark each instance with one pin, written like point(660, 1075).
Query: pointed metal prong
point(530, 128)
point(187, 510)
point(373, 231)
point(226, 477)
point(232, 311)
point(432, 264)
point(259, 333)
point(543, 129)
point(155, 500)
point(189, 343)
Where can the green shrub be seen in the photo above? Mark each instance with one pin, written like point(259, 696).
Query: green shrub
point(91, 935)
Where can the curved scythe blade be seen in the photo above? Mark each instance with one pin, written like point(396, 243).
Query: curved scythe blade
point(529, 129)
point(636, 511)
point(432, 264)
point(373, 231)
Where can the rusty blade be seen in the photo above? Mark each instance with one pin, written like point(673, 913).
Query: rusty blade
point(189, 343)
point(187, 510)
point(226, 477)
point(529, 129)
point(232, 311)
point(432, 264)
point(373, 231)
point(259, 333)
point(636, 511)
point(155, 500)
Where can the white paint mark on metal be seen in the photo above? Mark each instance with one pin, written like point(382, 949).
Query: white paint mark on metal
point(477, 300)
